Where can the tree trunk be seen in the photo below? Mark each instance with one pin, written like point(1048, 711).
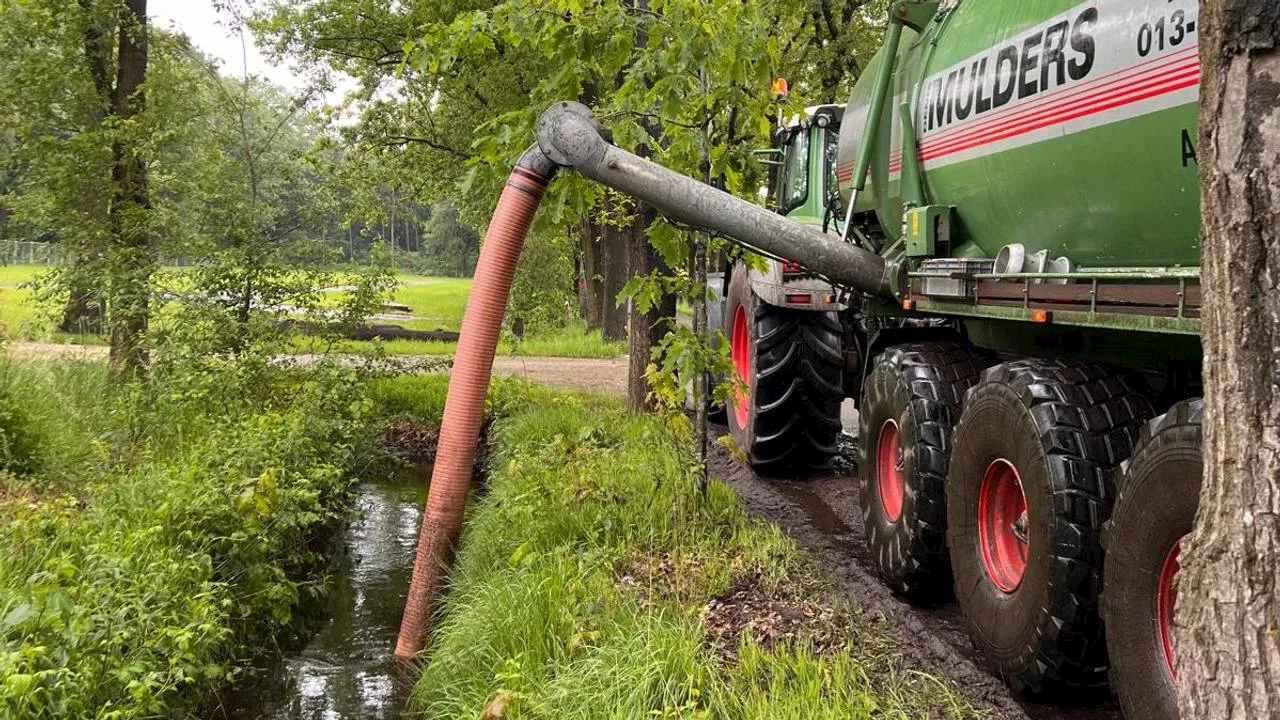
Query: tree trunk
point(614, 260)
point(646, 329)
point(1228, 609)
point(590, 288)
point(85, 312)
point(131, 257)
point(639, 336)
point(699, 277)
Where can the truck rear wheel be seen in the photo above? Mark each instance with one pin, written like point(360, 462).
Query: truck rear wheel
point(788, 419)
point(1159, 490)
point(911, 401)
point(1028, 490)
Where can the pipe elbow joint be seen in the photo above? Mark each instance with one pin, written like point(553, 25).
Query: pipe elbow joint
point(570, 136)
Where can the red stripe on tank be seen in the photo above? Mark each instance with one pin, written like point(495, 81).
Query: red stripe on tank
point(1143, 70)
point(1062, 112)
point(1073, 112)
point(1063, 106)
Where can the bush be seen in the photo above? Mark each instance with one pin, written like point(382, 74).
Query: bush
point(19, 443)
point(139, 584)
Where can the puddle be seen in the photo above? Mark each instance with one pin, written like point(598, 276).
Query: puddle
point(820, 514)
point(348, 669)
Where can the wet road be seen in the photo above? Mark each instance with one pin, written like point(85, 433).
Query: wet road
point(824, 516)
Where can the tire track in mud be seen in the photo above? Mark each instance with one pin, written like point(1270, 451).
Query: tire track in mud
point(823, 516)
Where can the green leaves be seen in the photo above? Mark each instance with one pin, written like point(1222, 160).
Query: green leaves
point(138, 596)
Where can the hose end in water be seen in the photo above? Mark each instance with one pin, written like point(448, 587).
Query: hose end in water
point(468, 385)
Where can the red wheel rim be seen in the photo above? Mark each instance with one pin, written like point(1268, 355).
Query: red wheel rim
point(1166, 596)
point(740, 352)
point(890, 475)
point(1002, 525)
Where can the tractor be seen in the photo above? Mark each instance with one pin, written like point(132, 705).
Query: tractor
point(1029, 422)
point(992, 248)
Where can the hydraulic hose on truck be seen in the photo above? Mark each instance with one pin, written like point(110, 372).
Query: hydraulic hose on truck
point(569, 137)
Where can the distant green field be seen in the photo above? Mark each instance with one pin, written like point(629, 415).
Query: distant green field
point(436, 304)
point(19, 315)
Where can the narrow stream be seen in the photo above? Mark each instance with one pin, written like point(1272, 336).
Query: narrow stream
point(348, 670)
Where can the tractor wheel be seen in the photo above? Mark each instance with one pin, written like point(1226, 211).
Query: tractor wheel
point(911, 401)
point(788, 419)
point(1029, 488)
point(1159, 490)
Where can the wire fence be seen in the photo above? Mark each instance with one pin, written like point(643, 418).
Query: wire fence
point(17, 252)
point(22, 252)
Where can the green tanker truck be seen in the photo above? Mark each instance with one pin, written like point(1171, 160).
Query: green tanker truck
point(1029, 425)
point(992, 248)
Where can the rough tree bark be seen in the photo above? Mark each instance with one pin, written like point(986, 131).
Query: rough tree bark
point(603, 254)
point(590, 288)
point(614, 271)
point(1228, 609)
point(131, 254)
point(647, 329)
point(640, 335)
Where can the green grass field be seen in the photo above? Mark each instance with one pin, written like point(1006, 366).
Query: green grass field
point(436, 303)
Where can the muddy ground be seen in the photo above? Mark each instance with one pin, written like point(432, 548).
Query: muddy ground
point(822, 514)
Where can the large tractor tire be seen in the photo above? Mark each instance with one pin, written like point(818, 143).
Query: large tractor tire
point(1159, 489)
point(788, 419)
point(911, 402)
point(1029, 488)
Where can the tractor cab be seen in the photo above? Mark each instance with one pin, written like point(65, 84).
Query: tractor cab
point(802, 178)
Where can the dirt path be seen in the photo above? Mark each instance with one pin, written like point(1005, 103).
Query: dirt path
point(606, 376)
point(599, 375)
point(823, 515)
point(56, 351)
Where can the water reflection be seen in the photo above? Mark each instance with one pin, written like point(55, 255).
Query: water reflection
point(348, 669)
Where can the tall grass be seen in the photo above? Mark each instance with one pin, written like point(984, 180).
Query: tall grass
point(584, 575)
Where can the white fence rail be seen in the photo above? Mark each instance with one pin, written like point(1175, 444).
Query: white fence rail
point(16, 252)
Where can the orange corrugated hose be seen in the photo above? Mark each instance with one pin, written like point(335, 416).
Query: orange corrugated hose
point(464, 408)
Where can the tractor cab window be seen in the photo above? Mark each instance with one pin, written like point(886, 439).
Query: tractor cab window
point(829, 159)
point(794, 186)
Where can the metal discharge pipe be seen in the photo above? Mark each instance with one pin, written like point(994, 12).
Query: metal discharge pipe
point(468, 385)
point(568, 136)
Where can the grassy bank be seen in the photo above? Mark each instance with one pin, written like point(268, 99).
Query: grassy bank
point(595, 581)
point(156, 538)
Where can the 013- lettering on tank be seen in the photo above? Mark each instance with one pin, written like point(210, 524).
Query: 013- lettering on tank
point(1099, 63)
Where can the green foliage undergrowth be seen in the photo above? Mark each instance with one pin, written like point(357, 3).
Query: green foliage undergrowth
point(162, 535)
point(585, 586)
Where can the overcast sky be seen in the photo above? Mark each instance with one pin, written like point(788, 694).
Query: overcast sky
point(211, 32)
